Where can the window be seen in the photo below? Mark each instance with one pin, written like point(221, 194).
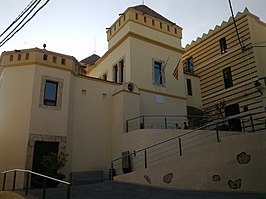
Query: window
point(158, 73)
point(114, 27)
point(175, 31)
point(161, 25)
point(45, 57)
point(115, 73)
point(50, 93)
point(27, 56)
point(19, 57)
point(11, 57)
point(84, 92)
point(168, 28)
point(145, 19)
point(104, 76)
point(153, 23)
point(189, 87)
point(136, 16)
point(63, 61)
point(228, 82)
point(223, 45)
point(124, 17)
point(119, 23)
point(54, 59)
point(121, 71)
point(190, 65)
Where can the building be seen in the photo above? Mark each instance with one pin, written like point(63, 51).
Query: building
point(224, 81)
point(230, 71)
point(50, 102)
point(144, 48)
point(47, 104)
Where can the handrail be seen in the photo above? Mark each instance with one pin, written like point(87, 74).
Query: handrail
point(164, 117)
point(38, 174)
point(145, 118)
point(164, 141)
point(196, 116)
point(27, 180)
point(214, 123)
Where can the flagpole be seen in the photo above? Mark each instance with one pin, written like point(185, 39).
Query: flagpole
point(162, 69)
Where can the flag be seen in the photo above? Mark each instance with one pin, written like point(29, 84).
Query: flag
point(175, 73)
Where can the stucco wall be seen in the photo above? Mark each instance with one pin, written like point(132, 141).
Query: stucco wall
point(125, 105)
point(194, 99)
point(235, 164)
point(90, 129)
point(106, 63)
point(141, 72)
point(16, 97)
point(160, 104)
point(46, 120)
point(15, 106)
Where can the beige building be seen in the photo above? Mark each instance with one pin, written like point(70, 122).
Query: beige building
point(47, 104)
point(144, 48)
point(222, 81)
point(231, 71)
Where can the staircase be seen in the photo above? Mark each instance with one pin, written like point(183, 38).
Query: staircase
point(199, 159)
point(16, 184)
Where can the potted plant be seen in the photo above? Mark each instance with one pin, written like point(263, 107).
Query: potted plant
point(51, 164)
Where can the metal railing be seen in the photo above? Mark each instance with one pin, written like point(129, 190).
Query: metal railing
point(165, 122)
point(249, 122)
point(26, 186)
point(191, 139)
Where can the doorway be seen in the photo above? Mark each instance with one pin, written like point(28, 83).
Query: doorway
point(235, 123)
point(41, 149)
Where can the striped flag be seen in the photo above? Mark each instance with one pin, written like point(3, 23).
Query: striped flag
point(175, 73)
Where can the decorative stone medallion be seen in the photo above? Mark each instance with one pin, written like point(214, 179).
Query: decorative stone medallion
point(216, 178)
point(147, 179)
point(168, 178)
point(243, 158)
point(235, 184)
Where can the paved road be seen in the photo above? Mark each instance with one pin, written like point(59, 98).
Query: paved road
point(116, 190)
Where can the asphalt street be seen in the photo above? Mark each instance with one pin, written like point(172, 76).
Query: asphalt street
point(116, 190)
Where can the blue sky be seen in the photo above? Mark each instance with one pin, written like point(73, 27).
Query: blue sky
point(77, 27)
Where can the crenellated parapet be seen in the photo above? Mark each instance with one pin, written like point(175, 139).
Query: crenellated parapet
point(40, 57)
